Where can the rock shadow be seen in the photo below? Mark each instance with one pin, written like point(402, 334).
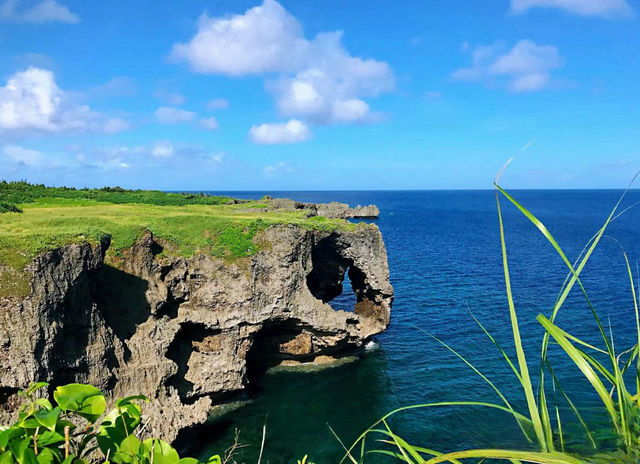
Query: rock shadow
point(267, 349)
point(334, 278)
point(122, 301)
point(186, 340)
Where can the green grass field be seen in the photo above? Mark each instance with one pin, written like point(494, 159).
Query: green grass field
point(189, 223)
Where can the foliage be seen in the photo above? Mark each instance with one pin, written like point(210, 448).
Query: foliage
point(541, 423)
point(6, 207)
point(69, 433)
point(187, 224)
point(23, 192)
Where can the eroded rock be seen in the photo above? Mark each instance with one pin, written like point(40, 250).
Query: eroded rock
point(188, 333)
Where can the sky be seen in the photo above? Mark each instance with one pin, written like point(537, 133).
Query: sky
point(320, 94)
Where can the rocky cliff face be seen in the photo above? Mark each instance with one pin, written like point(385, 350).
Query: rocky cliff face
point(189, 333)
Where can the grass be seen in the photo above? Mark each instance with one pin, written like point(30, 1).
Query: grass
point(188, 224)
point(606, 370)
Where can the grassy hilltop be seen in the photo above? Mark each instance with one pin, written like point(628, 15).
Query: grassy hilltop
point(35, 219)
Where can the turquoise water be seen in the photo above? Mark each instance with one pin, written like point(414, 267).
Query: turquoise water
point(444, 257)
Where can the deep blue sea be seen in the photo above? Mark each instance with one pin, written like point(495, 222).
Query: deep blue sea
point(445, 261)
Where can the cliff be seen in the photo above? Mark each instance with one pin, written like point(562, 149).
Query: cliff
point(189, 332)
point(333, 210)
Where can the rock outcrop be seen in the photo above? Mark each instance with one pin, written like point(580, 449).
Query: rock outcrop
point(190, 333)
point(333, 210)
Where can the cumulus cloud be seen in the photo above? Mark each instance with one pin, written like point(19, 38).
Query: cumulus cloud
point(210, 123)
point(32, 101)
point(603, 8)
point(293, 131)
point(168, 115)
point(525, 67)
point(217, 104)
point(46, 11)
point(318, 79)
point(162, 149)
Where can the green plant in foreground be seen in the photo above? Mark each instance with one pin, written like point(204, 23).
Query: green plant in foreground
point(541, 424)
point(69, 433)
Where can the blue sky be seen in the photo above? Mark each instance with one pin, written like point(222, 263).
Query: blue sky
point(320, 95)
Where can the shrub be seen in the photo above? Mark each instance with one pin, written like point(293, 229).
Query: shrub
point(71, 433)
point(9, 208)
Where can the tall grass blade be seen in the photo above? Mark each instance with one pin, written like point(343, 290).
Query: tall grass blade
point(509, 455)
point(504, 354)
point(558, 385)
point(516, 415)
point(534, 414)
point(584, 366)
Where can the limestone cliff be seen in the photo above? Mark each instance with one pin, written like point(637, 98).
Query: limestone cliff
point(189, 332)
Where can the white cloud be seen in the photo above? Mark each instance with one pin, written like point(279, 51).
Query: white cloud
point(20, 155)
point(32, 101)
point(526, 67)
point(265, 39)
point(602, 8)
point(46, 11)
point(210, 123)
point(218, 157)
point(168, 115)
point(217, 104)
point(319, 79)
point(293, 131)
point(162, 149)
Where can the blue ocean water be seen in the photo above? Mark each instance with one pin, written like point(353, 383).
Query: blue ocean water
point(445, 261)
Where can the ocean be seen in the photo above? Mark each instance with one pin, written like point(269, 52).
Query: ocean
point(445, 262)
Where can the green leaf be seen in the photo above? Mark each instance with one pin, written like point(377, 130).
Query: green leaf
point(44, 403)
point(163, 452)
point(118, 424)
point(188, 461)
point(19, 447)
point(32, 388)
point(130, 445)
point(47, 456)
point(48, 418)
point(48, 438)
point(85, 400)
point(215, 459)
point(6, 458)
point(9, 434)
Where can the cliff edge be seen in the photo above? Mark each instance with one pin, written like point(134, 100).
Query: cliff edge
point(189, 332)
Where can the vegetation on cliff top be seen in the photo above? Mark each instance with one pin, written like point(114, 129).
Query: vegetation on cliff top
point(37, 219)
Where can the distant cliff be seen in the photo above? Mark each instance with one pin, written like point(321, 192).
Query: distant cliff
point(333, 210)
point(190, 332)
